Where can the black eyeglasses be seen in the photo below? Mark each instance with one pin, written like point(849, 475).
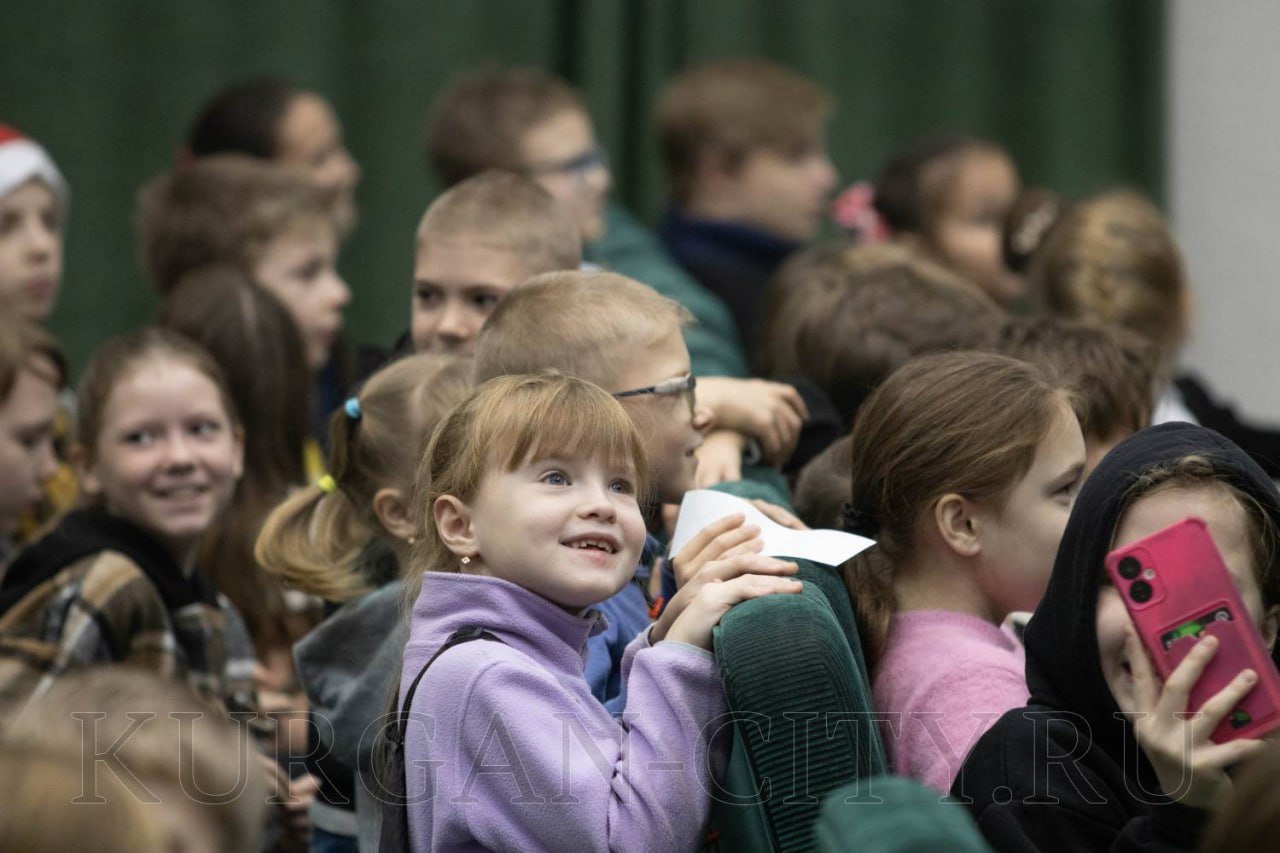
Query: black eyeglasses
point(593, 158)
point(685, 385)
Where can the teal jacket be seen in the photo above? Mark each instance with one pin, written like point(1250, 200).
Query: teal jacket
point(630, 249)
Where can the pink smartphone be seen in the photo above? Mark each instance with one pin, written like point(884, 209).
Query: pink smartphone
point(1177, 590)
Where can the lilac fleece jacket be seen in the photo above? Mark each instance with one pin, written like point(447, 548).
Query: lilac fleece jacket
point(508, 750)
point(943, 680)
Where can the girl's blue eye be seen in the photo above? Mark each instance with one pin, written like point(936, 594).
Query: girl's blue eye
point(623, 487)
point(555, 478)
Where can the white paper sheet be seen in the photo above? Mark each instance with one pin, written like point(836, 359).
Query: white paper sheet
point(702, 507)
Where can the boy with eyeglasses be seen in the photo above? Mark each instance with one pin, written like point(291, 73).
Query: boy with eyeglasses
point(626, 338)
point(529, 121)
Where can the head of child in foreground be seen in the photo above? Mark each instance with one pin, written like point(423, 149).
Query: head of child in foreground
point(745, 140)
point(273, 120)
point(535, 479)
point(179, 759)
point(1112, 259)
point(159, 442)
point(620, 335)
point(1113, 375)
point(269, 220)
point(848, 316)
point(522, 120)
point(315, 537)
point(33, 205)
point(963, 462)
point(951, 195)
point(474, 244)
point(32, 370)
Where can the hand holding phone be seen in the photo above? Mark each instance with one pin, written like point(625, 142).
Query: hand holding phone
point(1178, 591)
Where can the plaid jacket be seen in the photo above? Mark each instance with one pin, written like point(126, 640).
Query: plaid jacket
point(103, 607)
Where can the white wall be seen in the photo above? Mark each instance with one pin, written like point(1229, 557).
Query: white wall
point(1224, 176)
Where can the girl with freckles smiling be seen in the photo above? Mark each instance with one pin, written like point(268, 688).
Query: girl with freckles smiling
point(528, 496)
point(1103, 756)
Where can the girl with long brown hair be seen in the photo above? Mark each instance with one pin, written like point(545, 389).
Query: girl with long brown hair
point(965, 466)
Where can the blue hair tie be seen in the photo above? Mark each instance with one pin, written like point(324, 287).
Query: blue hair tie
point(352, 408)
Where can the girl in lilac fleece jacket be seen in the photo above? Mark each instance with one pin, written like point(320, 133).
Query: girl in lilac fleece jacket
point(529, 497)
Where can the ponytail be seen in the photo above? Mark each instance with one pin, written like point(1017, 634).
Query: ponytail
point(871, 575)
point(310, 541)
point(962, 422)
point(316, 540)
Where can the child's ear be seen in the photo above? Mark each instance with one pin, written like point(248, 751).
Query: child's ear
point(452, 518)
point(391, 506)
point(1270, 625)
point(86, 472)
point(957, 525)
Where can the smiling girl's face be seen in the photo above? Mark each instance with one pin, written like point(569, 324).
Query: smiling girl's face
point(167, 454)
point(567, 529)
point(1228, 524)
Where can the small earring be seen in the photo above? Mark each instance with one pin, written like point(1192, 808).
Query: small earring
point(466, 561)
point(412, 540)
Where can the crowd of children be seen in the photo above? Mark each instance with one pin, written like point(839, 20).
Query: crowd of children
point(259, 593)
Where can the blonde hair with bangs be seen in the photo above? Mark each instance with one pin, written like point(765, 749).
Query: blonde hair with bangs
point(583, 324)
point(505, 423)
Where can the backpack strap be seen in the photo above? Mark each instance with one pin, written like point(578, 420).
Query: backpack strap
point(394, 830)
point(400, 725)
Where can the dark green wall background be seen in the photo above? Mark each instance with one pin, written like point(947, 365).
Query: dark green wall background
point(1073, 87)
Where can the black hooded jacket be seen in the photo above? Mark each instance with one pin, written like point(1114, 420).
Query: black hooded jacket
point(1064, 772)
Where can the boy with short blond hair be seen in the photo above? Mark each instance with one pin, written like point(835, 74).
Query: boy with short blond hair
point(529, 121)
point(744, 144)
point(624, 337)
point(474, 244)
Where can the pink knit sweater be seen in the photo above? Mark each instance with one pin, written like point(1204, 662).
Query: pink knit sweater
point(944, 679)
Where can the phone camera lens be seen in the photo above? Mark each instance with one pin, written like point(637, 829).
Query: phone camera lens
point(1140, 592)
point(1130, 568)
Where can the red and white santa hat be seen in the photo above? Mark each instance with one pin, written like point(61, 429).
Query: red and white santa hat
point(22, 159)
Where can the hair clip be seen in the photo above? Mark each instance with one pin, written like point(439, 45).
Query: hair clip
point(858, 522)
point(352, 408)
point(327, 484)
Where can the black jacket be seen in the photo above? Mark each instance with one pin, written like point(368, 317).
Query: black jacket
point(1064, 772)
point(1260, 442)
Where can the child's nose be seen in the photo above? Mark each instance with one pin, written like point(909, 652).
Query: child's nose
point(341, 292)
point(702, 419)
point(48, 463)
point(828, 177)
point(598, 502)
point(39, 239)
point(180, 452)
point(454, 326)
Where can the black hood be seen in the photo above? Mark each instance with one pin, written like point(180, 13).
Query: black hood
point(1064, 671)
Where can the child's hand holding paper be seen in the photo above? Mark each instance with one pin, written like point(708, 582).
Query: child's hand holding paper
point(702, 509)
